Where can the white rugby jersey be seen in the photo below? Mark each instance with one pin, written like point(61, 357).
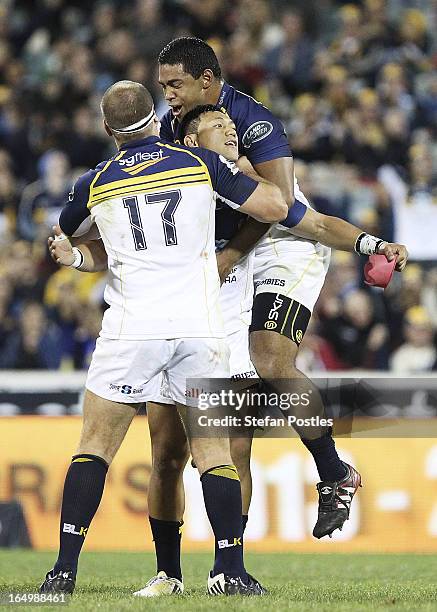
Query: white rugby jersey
point(154, 206)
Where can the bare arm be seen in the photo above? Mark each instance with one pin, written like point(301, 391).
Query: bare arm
point(280, 172)
point(339, 234)
point(94, 255)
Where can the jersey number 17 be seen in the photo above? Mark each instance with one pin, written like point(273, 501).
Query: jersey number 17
point(170, 199)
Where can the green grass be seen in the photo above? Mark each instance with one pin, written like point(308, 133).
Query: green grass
point(298, 582)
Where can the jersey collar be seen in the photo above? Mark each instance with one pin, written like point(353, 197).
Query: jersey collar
point(223, 93)
point(132, 144)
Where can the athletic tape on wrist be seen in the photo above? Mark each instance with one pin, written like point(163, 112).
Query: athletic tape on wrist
point(367, 244)
point(78, 258)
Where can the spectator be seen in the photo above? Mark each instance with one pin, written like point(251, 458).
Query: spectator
point(291, 61)
point(418, 354)
point(34, 345)
point(43, 200)
point(352, 82)
point(357, 336)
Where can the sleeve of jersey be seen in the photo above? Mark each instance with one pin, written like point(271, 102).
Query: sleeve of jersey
point(264, 138)
point(166, 133)
point(231, 185)
point(75, 219)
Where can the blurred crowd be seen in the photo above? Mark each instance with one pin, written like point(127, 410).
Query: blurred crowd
point(355, 84)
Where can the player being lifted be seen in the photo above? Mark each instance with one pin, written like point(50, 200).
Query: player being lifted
point(207, 127)
point(153, 205)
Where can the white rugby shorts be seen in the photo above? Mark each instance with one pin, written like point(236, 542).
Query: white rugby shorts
point(294, 268)
point(130, 371)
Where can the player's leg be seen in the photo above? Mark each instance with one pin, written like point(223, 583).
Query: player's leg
point(209, 358)
point(244, 376)
point(274, 356)
point(279, 322)
point(166, 499)
point(105, 424)
point(241, 449)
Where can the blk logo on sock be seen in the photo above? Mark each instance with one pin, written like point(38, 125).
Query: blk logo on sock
point(69, 528)
point(227, 544)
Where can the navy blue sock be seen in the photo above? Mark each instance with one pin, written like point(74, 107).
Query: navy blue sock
point(167, 538)
point(329, 464)
point(244, 519)
point(83, 490)
point(222, 495)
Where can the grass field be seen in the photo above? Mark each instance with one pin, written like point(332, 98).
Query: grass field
point(296, 582)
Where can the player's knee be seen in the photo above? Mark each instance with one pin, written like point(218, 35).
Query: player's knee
point(170, 462)
point(240, 453)
point(98, 449)
point(273, 366)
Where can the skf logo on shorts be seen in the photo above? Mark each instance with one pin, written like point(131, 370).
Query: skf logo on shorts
point(227, 544)
point(69, 528)
point(256, 132)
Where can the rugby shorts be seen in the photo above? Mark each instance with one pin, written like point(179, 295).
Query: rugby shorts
point(130, 371)
point(292, 272)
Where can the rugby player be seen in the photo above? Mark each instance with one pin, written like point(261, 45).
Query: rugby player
point(289, 272)
point(208, 127)
point(153, 205)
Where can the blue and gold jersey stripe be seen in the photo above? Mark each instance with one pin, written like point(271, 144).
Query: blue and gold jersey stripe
point(141, 184)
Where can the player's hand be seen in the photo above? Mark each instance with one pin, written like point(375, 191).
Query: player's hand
point(393, 249)
point(244, 165)
point(224, 264)
point(60, 248)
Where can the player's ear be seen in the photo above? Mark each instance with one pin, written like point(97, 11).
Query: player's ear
point(156, 125)
point(190, 140)
point(207, 78)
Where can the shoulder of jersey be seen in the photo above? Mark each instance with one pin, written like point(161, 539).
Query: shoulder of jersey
point(245, 111)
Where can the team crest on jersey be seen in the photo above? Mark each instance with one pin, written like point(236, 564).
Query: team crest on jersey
point(256, 132)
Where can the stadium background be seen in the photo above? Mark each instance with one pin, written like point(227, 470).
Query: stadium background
point(356, 87)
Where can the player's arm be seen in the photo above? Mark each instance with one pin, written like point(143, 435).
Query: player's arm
point(280, 172)
point(76, 221)
point(86, 257)
point(342, 235)
point(266, 146)
point(257, 198)
point(265, 203)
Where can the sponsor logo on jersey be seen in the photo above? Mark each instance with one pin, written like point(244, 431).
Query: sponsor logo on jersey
point(140, 161)
point(256, 132)
point(140, 156)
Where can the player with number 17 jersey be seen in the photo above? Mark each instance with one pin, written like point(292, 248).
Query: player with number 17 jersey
point(153, 204)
